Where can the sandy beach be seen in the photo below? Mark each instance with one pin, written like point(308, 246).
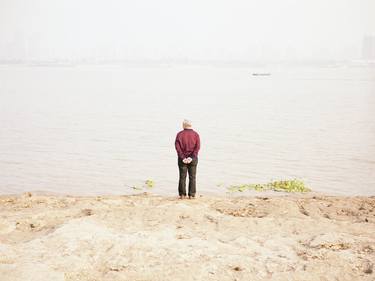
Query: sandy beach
point(149, 237)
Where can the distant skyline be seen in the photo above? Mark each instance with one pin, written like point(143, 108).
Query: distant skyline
point(198, 30)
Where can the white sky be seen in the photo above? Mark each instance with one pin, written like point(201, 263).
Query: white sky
point(197, 29)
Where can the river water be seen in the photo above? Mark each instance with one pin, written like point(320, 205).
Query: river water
point(104, 129)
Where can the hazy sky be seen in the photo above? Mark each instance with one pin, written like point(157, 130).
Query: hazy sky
point(197, 29)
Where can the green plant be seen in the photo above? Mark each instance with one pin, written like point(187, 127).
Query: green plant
point(149, 183)
point(282, 185)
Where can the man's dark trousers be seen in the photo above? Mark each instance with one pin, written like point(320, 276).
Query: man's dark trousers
point(190, 168)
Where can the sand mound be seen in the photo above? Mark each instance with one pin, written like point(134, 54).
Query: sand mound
point(147, 237)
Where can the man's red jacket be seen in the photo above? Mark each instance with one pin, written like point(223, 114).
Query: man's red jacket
point(187, 143)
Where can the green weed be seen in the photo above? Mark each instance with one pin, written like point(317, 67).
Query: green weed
point(282, 185)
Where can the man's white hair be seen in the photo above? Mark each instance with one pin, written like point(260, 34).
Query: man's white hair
point(186, 123)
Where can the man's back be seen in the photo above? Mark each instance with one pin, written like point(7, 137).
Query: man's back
point(187, 143)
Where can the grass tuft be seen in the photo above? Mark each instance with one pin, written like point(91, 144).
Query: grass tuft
point(282, 185)
point(149, 183)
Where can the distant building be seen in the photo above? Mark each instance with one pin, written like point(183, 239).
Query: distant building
point(368, 48)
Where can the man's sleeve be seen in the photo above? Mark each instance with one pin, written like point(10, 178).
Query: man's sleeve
point(178, 148)
point(197, 146)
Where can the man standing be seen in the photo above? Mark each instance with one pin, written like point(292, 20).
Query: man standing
point(187, 145)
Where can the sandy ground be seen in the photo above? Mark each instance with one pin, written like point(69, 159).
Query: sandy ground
point(148, 237)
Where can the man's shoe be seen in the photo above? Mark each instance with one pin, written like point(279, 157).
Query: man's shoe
point(191, 197)
point(182, 196)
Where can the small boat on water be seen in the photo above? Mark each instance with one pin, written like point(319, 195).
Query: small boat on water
point(261, 74)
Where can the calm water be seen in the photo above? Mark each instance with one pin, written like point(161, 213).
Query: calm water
point(103, 129)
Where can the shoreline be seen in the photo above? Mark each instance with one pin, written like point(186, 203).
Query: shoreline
point(223, 193)
point(309, 236)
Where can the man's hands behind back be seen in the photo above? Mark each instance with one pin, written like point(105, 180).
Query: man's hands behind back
point(187, 160)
